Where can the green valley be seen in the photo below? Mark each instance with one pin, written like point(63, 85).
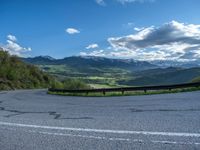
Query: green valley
point(101, 72)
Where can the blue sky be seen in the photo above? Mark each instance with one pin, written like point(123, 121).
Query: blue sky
point(100, 28)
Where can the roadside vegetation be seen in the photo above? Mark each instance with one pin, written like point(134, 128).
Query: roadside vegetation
point(15, 74)
point(70, 84)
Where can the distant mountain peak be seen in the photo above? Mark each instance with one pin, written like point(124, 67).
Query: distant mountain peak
point(112, 59)
point(48, 57)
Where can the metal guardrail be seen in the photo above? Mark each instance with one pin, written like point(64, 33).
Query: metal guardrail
point(144, 88)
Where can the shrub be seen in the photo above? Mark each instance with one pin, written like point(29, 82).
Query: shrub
point(57, 85)
point(196, 79)
point(75, 84)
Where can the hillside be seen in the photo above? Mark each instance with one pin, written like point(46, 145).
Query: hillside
point(163, 76)
point(176, 63)
point(15, 74)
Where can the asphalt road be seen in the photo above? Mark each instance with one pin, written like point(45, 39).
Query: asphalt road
point(33, 120)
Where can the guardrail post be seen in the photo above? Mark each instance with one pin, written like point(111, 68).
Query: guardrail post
point(145, 91)
point(104, 93)
point(122, 92)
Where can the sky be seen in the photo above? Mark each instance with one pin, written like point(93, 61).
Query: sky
point(137, 29)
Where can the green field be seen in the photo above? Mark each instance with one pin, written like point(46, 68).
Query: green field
point(109, 77)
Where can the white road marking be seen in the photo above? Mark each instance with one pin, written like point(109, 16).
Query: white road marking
point(121, 139)
point(197, 135)
point(107, 138)
point(173, 142)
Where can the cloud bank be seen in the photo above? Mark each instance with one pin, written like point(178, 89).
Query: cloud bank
point(12, 38)
point(13, 47)
point(170, 41)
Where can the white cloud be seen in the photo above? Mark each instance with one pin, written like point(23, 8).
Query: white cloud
point(72, 31)
point(92, 46)
point(132, 1)
point(12, 37)
point(170, 41)
point(97, 53)
point(138, 29)
point(14, 48)
point(101, 2)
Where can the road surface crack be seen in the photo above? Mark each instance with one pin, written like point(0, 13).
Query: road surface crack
point(162, 110)
point(50, 113)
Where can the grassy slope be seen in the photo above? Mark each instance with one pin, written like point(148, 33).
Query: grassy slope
point(197, 79)
point(15, 74)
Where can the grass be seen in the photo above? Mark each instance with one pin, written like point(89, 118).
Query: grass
point(107, 77)
point(100, 86)
point(132, 93)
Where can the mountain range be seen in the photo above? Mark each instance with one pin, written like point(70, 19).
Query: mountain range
point(110, 62)
point(91, 62)
point(106, 72)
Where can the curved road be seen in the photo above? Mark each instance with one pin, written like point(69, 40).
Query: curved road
point(33, 120)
